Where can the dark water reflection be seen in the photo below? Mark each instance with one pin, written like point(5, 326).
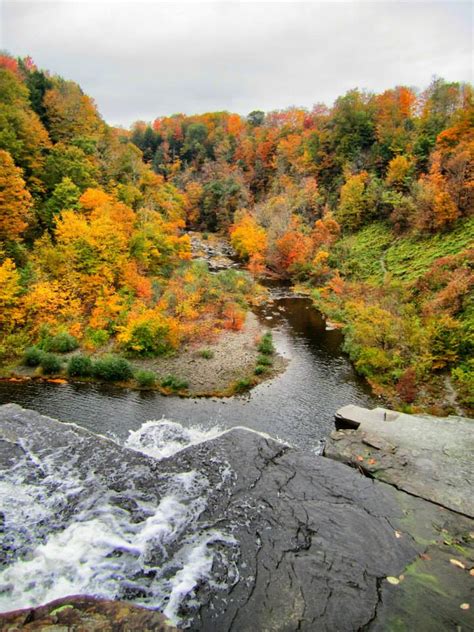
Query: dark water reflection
point(297, 406)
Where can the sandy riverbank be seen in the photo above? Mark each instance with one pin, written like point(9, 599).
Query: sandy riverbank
point(230, 358)
point(233, 357)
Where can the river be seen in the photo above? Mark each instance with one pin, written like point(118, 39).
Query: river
point(297, 407)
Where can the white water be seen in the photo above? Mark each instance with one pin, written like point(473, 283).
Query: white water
point(68, 531)
point(163, 438)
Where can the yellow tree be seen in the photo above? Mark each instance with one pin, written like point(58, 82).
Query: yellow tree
point(10, 311)
point(398, 171)
point(71, 113)
point(353, 202)
point(247, 237)
point(15, 200)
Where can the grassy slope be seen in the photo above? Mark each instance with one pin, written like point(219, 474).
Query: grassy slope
point(361, 256)
point(375, 256)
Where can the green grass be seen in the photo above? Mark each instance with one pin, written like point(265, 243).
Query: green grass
point(242, 385)
point(358, 255)
point(409, 258)
point(265, 345)
point(406, 258)
point(207, 354)
point(264, 360)
point(174, 383)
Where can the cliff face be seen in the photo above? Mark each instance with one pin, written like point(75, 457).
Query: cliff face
point(251, 534)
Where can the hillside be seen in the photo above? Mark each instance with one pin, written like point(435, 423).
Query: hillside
point(368, 204)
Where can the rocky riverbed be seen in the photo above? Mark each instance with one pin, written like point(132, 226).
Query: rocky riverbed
point(237, 533)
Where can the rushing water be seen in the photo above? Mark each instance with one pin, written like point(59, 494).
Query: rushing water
point(80, 515)
point(297, 406)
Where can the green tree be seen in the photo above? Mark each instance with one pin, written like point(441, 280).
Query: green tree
point(65, 196)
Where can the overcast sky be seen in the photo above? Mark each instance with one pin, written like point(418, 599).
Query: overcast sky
point(140, 60)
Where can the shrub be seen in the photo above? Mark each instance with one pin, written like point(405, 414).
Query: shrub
point(259, 369)
point(407, 387)
point(145, 378)
point(50, 364)
point(32, 356)
point(61, 343)
point(149, 334)
point(242, 385)
point(207, 354)
point(266, 344)
point(463, 376)
point(174, 383)
point(112, 369)
point(264, 360)
point(80, 366)
point(97, 338)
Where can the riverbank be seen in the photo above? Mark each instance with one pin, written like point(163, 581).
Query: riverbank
point(223, 364)
point(220, 367)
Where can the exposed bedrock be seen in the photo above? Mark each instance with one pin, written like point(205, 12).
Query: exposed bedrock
point(315, 540)
point(427, 456)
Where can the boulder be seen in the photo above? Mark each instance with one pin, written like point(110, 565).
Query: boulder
point(82, 613)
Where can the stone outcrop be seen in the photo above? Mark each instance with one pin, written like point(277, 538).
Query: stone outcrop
point(319, 545)
point(430, 457)
point(85, 614)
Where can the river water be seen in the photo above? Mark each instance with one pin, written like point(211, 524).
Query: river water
point(297, 407)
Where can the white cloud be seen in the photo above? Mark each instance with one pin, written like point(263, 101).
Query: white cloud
point(143, 59)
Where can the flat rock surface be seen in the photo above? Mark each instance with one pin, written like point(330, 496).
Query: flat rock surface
point(305, 543)
point(430, 457)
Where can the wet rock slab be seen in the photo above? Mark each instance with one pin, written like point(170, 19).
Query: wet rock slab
point(85, 614)
point(430, 457)
point(320, 547)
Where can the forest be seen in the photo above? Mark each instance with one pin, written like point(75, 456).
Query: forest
point(366, 206)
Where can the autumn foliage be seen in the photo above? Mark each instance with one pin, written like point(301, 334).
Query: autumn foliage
point(93, 221)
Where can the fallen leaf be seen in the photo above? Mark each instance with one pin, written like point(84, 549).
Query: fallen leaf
point(457, 563)
point(424, 556)
point(359, 458)
point(464, 606)
point(471, 572)
point(398, 534)
point(371, 461)
point(393, 580)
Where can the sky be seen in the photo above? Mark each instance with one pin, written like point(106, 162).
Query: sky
point(144, 59)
